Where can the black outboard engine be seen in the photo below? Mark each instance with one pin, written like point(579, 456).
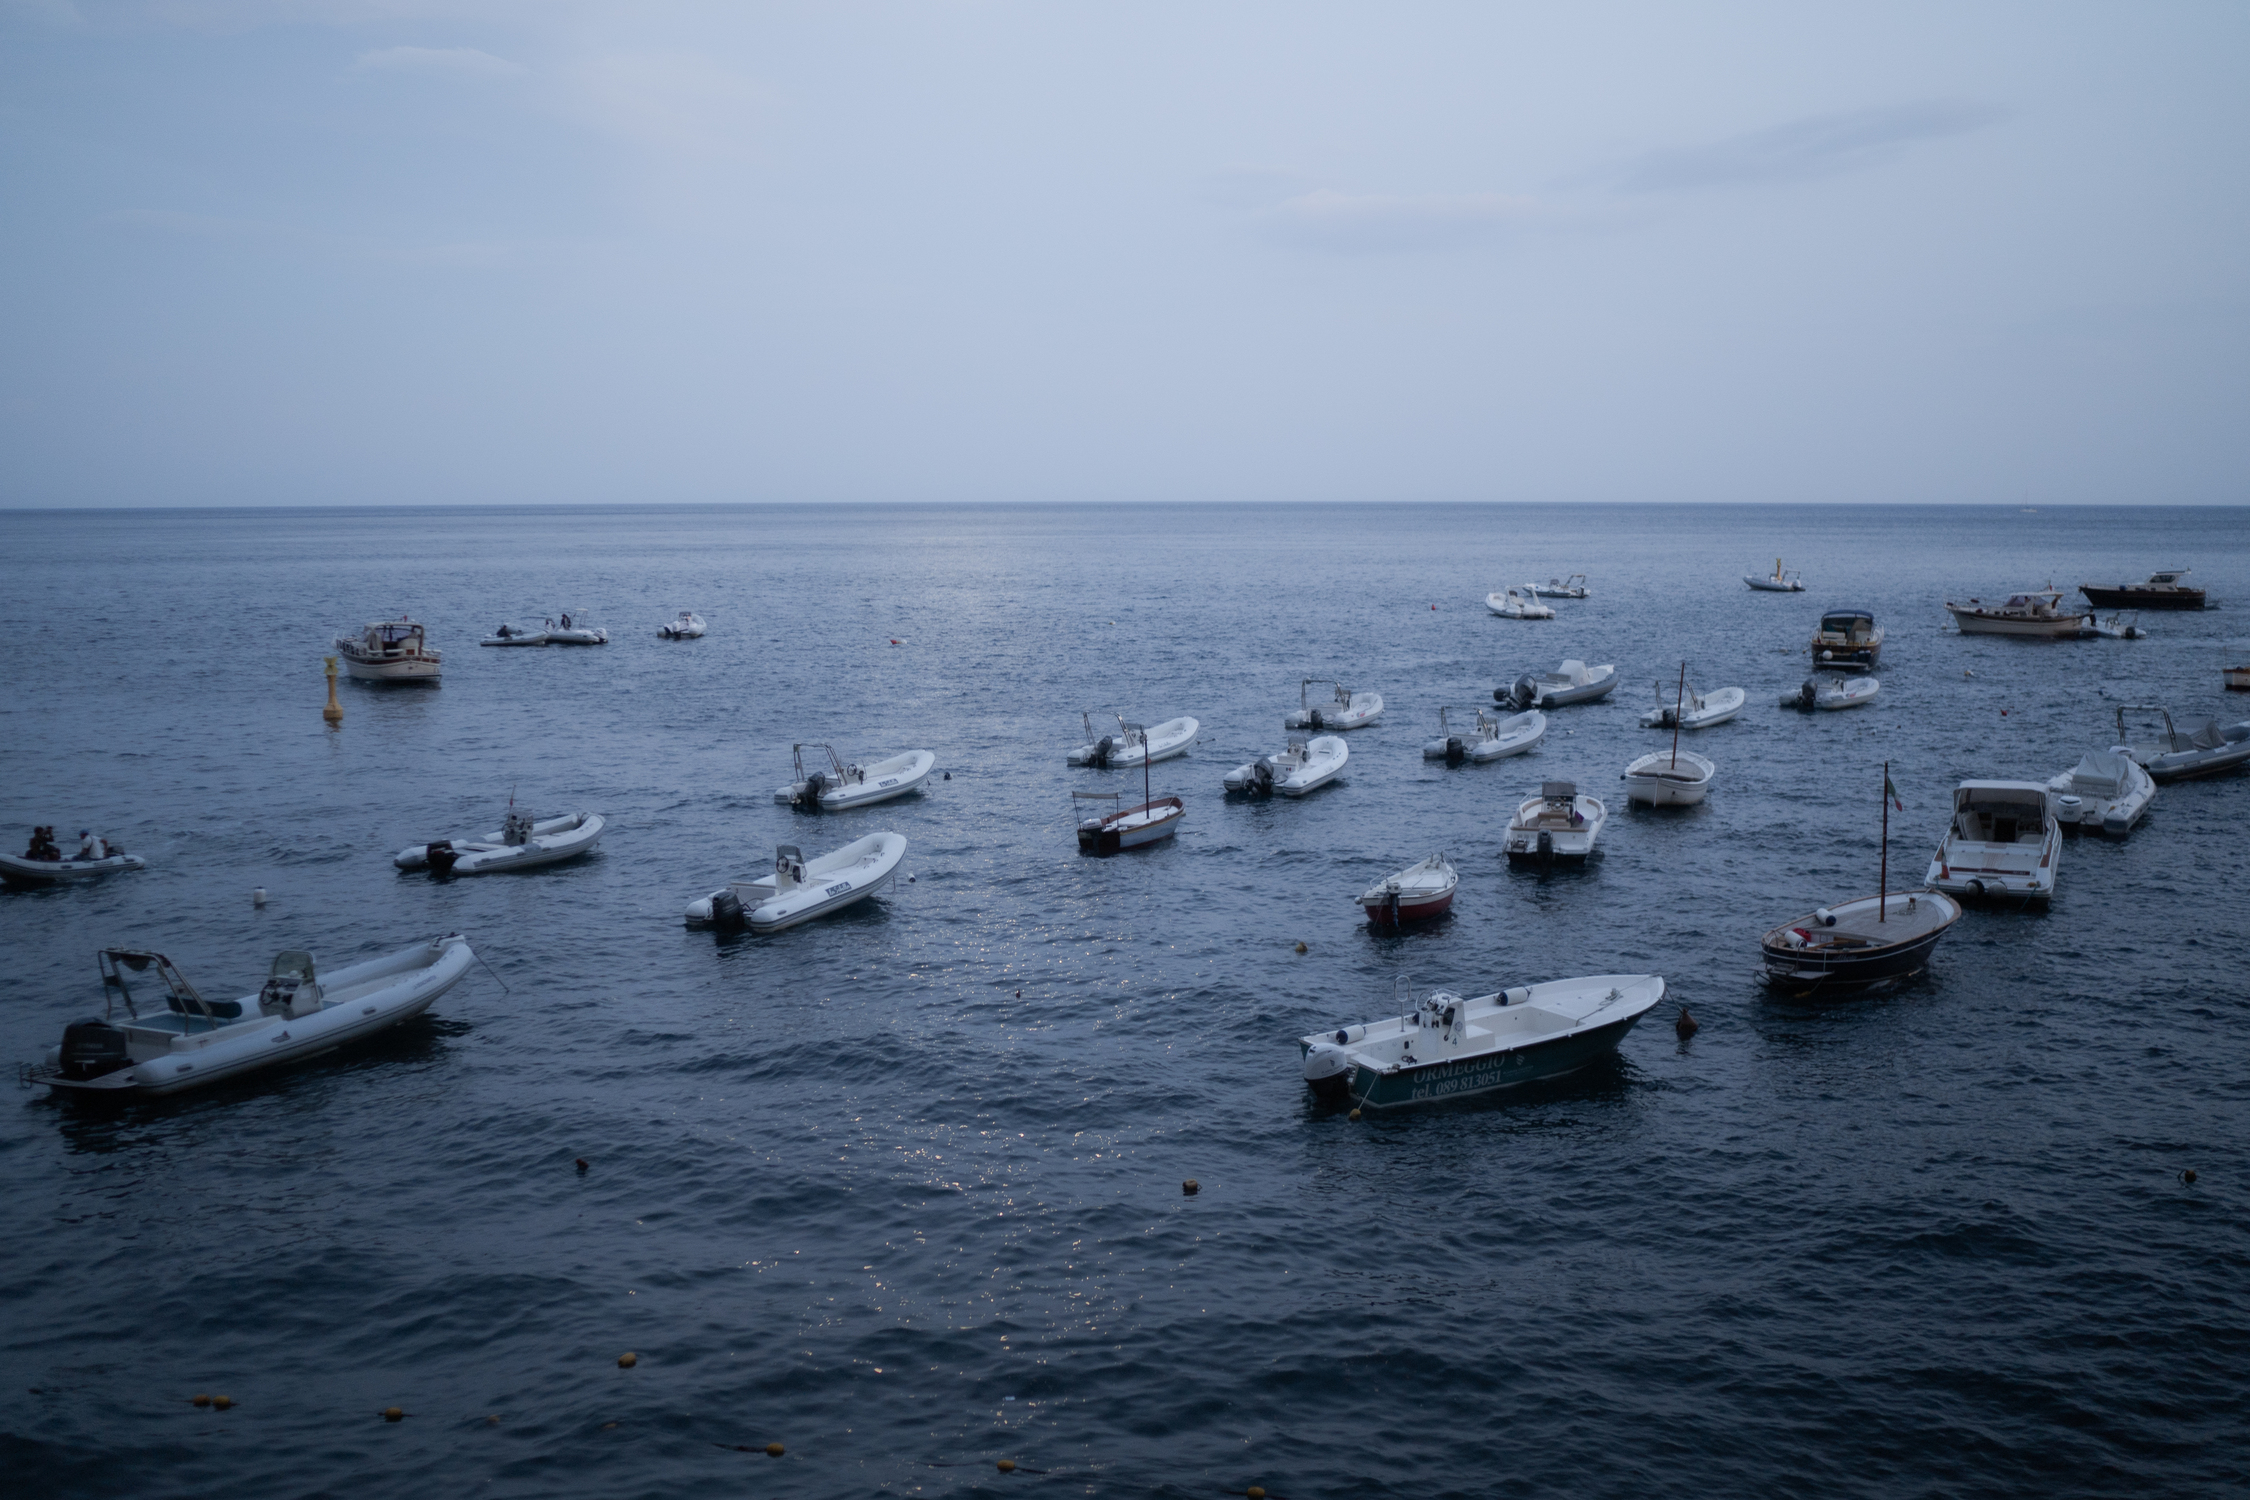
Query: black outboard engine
point(807, 792)
point(726, 912)
point(1261, 775)
point(1456, 750)
point(1102, 747)
point(1313, 720)
point(1546, 847)
point(1806, 693)
point(442, 856)
point(92, 1048)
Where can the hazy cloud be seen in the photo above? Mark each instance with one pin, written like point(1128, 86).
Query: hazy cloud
point(1367, 222)
point(450, 62)
point(1818, 146)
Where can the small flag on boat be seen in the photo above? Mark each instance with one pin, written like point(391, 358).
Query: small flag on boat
point(1891, 792)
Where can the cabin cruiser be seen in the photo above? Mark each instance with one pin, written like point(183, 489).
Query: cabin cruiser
point(1518, 602)
point(1828, 694)
point(569, 631)
point(389, 651)
point(1689, 709)
point(842, 786)
point(1491, 739)
point(1132, 744)
point(1848, 640)
point(1573, 587)
point(2106, 791)
point(514, 635)
point(44, 863)
point(521, 843)
point(1856, 945)
point(2206, 750)
point(1572, 682)
point(687, 625)
point(1778, 582)
point(183, 1041)
point(1669, 778)
point(799, 889)
point(1346, 710)
point(2004, 841)
point(1448, 1047)
point(1418, 891)
point(2036, 614)
point(1303, 767)
point(1558, 826)
point(2162, 591)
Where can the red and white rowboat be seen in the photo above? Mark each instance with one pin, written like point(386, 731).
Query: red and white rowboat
point(1416, 892)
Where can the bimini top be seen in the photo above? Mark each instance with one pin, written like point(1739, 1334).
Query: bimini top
point(1844, 619)
point(1979, 793)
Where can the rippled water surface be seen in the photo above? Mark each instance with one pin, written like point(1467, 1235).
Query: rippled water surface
point(902, 1190)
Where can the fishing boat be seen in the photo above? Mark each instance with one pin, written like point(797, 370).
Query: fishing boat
point(182, 1041)
point(1778, 582)
point(519, 844)
point(1492, 738)
point(2236, 679)
point(1828, 694)
point(2106, 791)
point(842, 787)
point(1520, 602)
point(569, 630)
point(1572, 682)
point(2004, 841)
point(1694, 710)
point(1449, 1048)
point(43, 862)
point(799, 889)
point(1122, 828)
point(2162, 591)
point(1414, 893)
point(2035, 614)
point(1346, 709)
point(1848, 640)
point(687, 625)
point(514, 635)
point(1303, 767)
point(1573, 587)
point(1129, 747)
point(390, 651)
point(2206, 750)
point(1674, 778)
point(1559, 826)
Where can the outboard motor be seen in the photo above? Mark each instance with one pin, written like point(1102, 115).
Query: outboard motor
point(1523, 694)
point(1546, 847)
point(1261, 775)
point(92, 1048)
point(1807, 693)
point(1315, 720)
point(726, 912)
point(1456, 750)
point(441, 856)
point(1102, 747)
point(1328, 1069)
point(806, 793)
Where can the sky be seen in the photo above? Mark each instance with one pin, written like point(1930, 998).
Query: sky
point(309, 252)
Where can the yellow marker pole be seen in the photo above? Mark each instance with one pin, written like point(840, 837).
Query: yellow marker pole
point(334, 712)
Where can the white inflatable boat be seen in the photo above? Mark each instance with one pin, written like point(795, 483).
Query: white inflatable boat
point(1306, 764)
point(1572, 682)
point(1828, 694)
point(842, 786)
point(1492, 739)
point(182, 1041)
point(2106, 791)
point(1344, 710)
point(514, 635)
point(686, 626)
point(520, 844)
point(568, 631)
point(799, 889)
point(1519, 602)
point(1690, 709)
point(1132, 745)
point(44, 863)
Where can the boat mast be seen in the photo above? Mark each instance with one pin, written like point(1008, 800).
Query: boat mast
point(1883, 886)
point(1678, 702)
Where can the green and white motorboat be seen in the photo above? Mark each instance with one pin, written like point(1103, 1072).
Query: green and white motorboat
point(1451, 1048)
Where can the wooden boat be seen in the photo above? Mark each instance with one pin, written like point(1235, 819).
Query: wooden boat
point(1124, 828)
point(1856, 945)
point(2035, 614)
point(1848, 640)
point(1414, 893)
point(2162, 591)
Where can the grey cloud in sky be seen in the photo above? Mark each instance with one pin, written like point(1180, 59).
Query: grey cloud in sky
point(1362, 222)
point(1800, 150)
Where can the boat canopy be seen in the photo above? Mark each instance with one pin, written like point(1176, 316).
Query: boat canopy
point(1575, 672)
point(1842, 620)
point(2100, 771)
point(1999, 812)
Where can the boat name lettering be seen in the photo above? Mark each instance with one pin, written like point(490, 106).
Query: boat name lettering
point(888, 781)
point(838, 888)
point(1481, 1076)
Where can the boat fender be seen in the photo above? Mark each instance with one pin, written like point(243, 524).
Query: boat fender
point(1456, 751)
point(1516, 996)
point(92, 1048)
point(1976, 887)
point(1825, 917)
point(726, 911)
point(441, 856)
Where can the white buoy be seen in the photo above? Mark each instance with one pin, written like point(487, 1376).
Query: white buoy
point(258, 896)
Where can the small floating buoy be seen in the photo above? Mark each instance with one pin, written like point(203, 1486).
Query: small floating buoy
point(1191, 1187)
point(627, 1360)
point(201, 1401)
point(1301, 948)
point(334, 712)
point(909, 880)
point(221, 1403)
point(1007, 1466)
point(2188, 1176)
point(493, 1420)
point(1685, 1026)
point(258, 896)
point(1965, 672)
point(773, 1450)
point(398, 1414)
point(1255, 1492)
point(896, 641)
point(949, 776)
point(581, 1163)
point(1355, 1114)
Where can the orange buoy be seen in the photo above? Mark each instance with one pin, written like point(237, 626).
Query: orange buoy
point(202, 1401)
point(773, 1450)
point(627, 1360)
point(1685, 1026)
point(394, 1414)
point(1007, 1466)
point(221, 1403)
point(1255, 1492)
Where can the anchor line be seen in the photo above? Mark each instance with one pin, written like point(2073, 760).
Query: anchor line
point(496, 979)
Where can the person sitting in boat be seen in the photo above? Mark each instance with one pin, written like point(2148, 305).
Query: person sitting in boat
point(504, 632)
point(91, 845)
point(43, 844)
point(566, 622)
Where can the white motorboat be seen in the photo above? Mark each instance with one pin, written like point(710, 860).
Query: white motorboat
point(390, 651)
point(1450, 1048)
point(1827, 694)
point(1106, 826)
point(842, 786)
point(799, 890)
point(687, 625)
point(2105, 791)
point(1305, 765)
point(2206, 750)
point(514, 635)
point(1572, 682)
point(567, 630)
point(1492, 738)
point(1669, 778)
point(43, 862)
point(2035, 614)
point(1848, 640)
point(519, 844)
point(1418, 891)
point(2004, 841)
point(1132, 744)
point(1780, 581)
point(1559, 826)
point(185, 1042)
point(1573, 587)
point(1344, 710)
point(1690, 709)
point(1520, 602)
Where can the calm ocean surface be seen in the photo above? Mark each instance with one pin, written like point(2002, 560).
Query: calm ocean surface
point(901, 1190)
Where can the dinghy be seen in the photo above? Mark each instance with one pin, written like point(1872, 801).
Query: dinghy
point(1416, 892)
point(687, 625)
point(1573, 587)
point(182, 1041)
point(568, 631)
point(1491, 739)
point(390, 651)
point(1121, 827)
point(2106, 791)
point(799, 890)
point(1345, 710)
point(2206, 750)
point(1690, 709)
point(1518, 603)
point(1572, 682)
point(1778, 582)
point(1451, 1048)
point(520, 844)
point(43, 862)
point(1857, 945)
point(2003, 842)
point(514, 635)
point(2122, 625)
point(1669, 778)
point(1131, 746)
point(1306, 764)
point(1848, 640)
point(1827, 694)
point(1558, 826)
point(842, 787)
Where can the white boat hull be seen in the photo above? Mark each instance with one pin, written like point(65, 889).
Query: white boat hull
point(527, 638)
point(1133, 828)
point(1663, 780)
point(1164, 742)
point(1769, 586)
point(1705, 711)
point(416, 669)
point(1289, 776)
point(1536, 836)
point(880, 782)
point(552, 841)
point(17, 870)
point(1517, 607)
point(832, 882)
point(1513, 735)
point(1364, 709)
point(1974, 622)
point(577, 637)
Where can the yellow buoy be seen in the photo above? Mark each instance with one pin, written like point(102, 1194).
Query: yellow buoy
point(1255, 1492)
point(1355, 1114)
point(1007, 1466)
point(1301, 948)
point(1191, 1187)
point(221, 1403)
point(394, 1413)
point(334, 712)
point(773, 1450)
point(203, 1401)
point(627, 1361)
